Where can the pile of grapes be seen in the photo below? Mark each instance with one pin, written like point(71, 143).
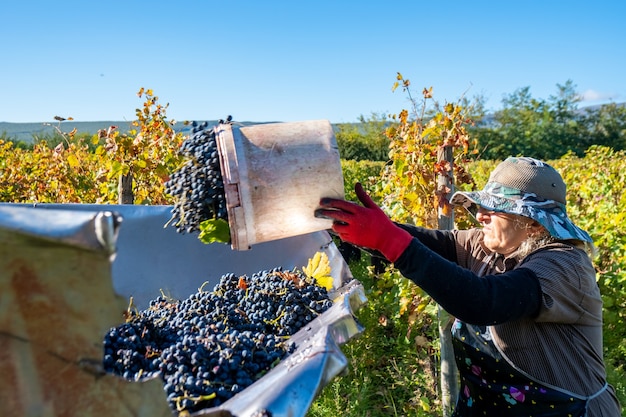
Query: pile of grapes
point(212, 345)
point(197, 187)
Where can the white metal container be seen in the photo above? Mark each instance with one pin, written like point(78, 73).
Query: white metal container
point(274, 176)
point(67, 272)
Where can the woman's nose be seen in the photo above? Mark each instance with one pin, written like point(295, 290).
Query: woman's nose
point(482, 214)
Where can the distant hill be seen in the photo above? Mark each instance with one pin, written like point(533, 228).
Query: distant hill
point(26, 132)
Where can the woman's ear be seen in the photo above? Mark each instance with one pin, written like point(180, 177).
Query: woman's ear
point(537, 229)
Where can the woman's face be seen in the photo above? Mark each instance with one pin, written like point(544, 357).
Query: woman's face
point(503, 233)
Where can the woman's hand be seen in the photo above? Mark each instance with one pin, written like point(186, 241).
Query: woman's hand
point(366, 226)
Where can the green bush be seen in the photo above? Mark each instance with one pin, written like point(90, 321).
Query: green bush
point(364, 141)
point(359, 171)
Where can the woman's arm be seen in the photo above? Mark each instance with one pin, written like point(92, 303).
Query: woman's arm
point(487, 300)
point(440, 241)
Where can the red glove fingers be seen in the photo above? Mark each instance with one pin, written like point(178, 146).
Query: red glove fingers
point(366, 226)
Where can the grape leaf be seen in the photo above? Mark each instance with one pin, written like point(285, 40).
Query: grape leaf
point(318, 268)
point(214, 230)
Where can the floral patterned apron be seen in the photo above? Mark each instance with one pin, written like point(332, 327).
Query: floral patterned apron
point(491, 386)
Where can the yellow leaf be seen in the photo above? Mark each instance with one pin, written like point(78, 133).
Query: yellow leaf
point(72, 161)
point(326, 282)
point(311, 265)
point(318, 268)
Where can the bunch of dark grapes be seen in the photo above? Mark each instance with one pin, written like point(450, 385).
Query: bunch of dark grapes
point(212, 345)
point(197, 187)
point(132, 350)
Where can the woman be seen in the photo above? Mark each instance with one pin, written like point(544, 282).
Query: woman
point(528, 331)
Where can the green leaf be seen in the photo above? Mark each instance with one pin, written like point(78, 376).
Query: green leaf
point(214, 230)
point(116, 166)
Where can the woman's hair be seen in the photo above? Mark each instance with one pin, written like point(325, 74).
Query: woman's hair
point(543, 237)
point(534, 242)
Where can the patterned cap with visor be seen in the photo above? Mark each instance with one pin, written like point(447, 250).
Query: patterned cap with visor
point(526, 187)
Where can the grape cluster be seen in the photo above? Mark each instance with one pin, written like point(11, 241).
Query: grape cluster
point(197, 187)
point(212, 345)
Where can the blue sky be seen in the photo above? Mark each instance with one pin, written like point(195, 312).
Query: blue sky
point(299, 60)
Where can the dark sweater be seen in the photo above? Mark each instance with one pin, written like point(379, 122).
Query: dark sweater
point(431, 262)
point(545, 311)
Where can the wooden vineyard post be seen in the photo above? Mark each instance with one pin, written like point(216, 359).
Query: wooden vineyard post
point(445, 221)
point(125, 189)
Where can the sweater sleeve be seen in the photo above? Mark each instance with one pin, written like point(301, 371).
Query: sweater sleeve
point(487, 300)
point(440, 241)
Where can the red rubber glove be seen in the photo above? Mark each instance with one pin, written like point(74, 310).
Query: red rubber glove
point(366, 226)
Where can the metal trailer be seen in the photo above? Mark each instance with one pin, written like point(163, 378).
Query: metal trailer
point(67, 272)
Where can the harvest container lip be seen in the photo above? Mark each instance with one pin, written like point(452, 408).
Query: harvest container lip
point(95, 230)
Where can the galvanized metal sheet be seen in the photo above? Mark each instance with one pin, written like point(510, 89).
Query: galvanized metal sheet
point(66, 274)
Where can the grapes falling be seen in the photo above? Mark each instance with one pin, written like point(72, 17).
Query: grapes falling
point(197, 187)
point(212, 345)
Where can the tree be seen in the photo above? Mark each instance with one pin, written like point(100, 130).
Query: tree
point(545, 129)
point(605, 126)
